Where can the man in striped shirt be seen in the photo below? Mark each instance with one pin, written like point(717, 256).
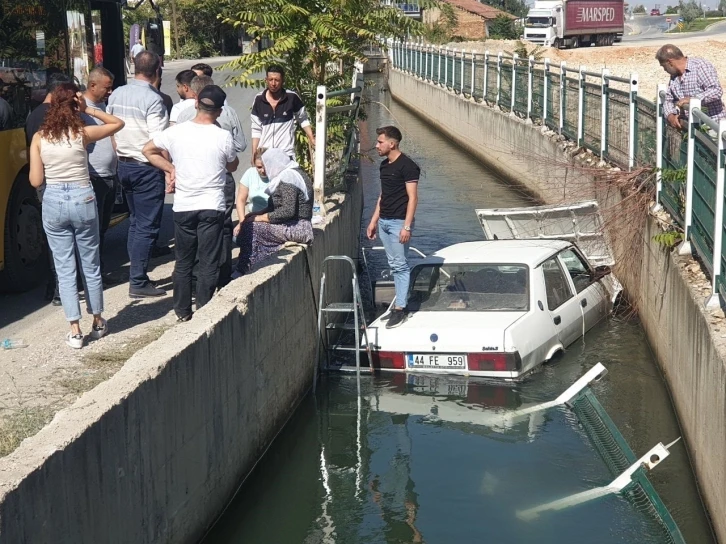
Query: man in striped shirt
point(141, 107)
point(690, 78)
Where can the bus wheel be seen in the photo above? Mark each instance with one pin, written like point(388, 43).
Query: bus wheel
point(26, 255)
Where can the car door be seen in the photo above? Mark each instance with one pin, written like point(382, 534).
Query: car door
point(592, 295)
point(562, 304)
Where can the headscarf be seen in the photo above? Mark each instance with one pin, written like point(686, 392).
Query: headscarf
point(281, 168)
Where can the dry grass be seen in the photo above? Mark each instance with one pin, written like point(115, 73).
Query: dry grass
point(20, 424)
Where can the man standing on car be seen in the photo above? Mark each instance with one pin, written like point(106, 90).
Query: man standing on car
point(202, 153)
point(140, 106)
point(394, 214)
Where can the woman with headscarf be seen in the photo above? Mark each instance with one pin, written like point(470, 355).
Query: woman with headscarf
point(58, 158)
point(287, 217)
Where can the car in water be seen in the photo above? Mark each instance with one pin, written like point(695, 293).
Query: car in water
point(499, 308)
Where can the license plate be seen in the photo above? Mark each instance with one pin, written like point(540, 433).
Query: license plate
point(435, 360)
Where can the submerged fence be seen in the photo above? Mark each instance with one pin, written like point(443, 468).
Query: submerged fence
point(604, 114)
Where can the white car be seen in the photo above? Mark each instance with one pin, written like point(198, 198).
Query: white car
point(495, 308)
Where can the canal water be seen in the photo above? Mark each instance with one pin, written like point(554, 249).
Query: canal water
point(434, 460)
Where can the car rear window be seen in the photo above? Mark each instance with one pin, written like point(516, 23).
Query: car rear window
point(469, 288)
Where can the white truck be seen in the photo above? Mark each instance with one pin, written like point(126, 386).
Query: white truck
point(574, 23)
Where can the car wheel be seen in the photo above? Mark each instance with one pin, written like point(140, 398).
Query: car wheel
point(26, 253)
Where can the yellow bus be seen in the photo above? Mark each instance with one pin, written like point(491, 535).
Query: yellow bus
point(38, 38)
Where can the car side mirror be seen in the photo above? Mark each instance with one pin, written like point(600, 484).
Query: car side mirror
point(601, 271)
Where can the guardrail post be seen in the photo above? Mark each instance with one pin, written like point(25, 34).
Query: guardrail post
point(581, 107)
point(321, 137)
point(486, 75)
point(714, 302)
point(431, 63)
point(546, 91)
point(461, 79)
point(563, 88)
point(604, 97)
point(515, 59)
point(421, 61)
point(530, 84)
point(438, 77)
point(453, 68)
point(446, 67)
point(659, 137)
point(499, 76)
point(632, 135)
point(685, 247)
point(473, 69)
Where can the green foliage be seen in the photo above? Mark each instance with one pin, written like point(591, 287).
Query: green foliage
point(538, 51)
point(673, 175)
point(690, 11)
point(503, 28)
point(640, 8)
point(519, 8)
point(722, 7)
point(673, 10)
point(441, 31)
point(669, 239)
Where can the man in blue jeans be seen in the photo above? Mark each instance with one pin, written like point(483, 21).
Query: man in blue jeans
point(393, 218)
point(141, 107)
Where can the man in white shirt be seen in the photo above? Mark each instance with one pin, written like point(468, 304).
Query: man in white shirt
point(186, 93)
point(136, 49)
point(202, 154)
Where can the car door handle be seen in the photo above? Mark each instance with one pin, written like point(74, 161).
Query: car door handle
point(583, 302)
point(557, 320)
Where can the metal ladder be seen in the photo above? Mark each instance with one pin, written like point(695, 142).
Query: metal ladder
point(325, 327)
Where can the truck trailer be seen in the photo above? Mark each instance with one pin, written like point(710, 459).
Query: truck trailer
point(575, 23)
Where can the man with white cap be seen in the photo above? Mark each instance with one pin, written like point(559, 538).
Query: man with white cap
point(201, 153)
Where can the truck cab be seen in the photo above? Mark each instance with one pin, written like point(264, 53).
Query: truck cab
point(543, 24)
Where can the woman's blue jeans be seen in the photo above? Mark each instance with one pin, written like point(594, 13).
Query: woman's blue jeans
point(70, 221)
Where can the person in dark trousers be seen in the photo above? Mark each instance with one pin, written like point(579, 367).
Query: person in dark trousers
point(393, 217)
point(32, 124)
point(102, 160)
point(202, 154)
point(275, 113)
point(140, 106)
point(230, 122)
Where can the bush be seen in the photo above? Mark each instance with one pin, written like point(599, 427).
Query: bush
point(503, 28)
point(714, 13)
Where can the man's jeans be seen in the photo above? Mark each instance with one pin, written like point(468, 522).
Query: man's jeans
point(144, 188)
point(70, 221)
point(105, 189)
point(397, 253)
point(196, 231)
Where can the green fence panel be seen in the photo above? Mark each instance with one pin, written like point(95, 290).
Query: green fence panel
point(675, 158)
point(450, 74)
point(491, 90)
point(704, 196)
point(456, 74)
point(505, 93)
point(467, 76)
point(592, 112)
point(618, 128)
point(721, 283)
point(521, 89)
point(553, 101)
point(479, 90)
point(569, 127)
point(538, 76)
point(646, 144)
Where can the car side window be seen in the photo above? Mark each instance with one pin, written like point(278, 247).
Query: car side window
point(556, 284)
point(577, 269)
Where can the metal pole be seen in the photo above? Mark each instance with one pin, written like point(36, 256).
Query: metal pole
point(659, 137)
point(604, 97)
point(563, 88)
point(499, 76)
point(453, 68)
point(581, 108)
point(446, 67)
point(633, 120)
point(486, 75)
point(512, 102)
point(321, 130)
point(473, 69)
point(713, 301)
point(438, 77)
point(685, 247)
point(530, 84)
point(546, 91)
point(461, 81)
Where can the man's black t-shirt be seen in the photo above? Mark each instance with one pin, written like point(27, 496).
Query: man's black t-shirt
point(394, 176)
point(34, 121)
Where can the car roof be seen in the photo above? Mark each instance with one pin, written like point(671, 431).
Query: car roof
point(530, 252)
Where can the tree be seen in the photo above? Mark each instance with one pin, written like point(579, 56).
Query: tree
point(722, 7)
point(673, 10)
point(503, 28)
point(640, 8)
point(690, 11)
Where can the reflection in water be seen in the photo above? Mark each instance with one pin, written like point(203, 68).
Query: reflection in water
point(436, 459)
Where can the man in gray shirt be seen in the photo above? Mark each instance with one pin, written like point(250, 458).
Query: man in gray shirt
point(230, 122)
point(102, 160)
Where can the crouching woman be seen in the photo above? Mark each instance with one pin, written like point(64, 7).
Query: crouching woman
point(286, 218)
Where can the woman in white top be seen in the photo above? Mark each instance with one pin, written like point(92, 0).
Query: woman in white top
point(59, 159)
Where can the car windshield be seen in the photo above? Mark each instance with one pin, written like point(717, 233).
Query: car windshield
point(469, 288)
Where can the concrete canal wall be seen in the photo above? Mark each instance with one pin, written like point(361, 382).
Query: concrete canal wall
point(689, 352)
point(154, 454)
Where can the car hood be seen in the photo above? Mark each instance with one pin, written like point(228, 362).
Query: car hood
point(444, 332)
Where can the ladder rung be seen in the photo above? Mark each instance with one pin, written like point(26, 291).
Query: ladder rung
point(339, 307)
point(345, 348)
point(341, 326)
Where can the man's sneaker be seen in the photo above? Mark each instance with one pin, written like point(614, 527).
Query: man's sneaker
point(74, 340)
point(396, 318)
point(148, 291)
point(184, 318)
point(99, 332)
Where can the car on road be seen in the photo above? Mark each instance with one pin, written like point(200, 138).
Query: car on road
point(499, 308)
point(655, 12)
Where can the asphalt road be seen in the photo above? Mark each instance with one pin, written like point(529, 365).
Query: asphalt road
point(21, 311)
point(650, 31)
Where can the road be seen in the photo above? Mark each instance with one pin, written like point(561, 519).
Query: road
point(650, 31)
